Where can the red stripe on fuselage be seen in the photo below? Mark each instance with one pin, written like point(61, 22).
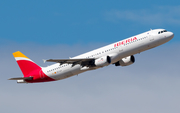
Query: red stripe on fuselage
point(30, 69)
point(39, 76)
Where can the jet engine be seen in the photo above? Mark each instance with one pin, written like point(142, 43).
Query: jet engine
point(102, 61)
point(126, 61)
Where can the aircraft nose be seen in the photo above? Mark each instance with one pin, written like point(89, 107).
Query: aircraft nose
point(170, 35)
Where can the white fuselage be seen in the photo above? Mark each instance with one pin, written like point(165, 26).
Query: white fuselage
point(116, 51)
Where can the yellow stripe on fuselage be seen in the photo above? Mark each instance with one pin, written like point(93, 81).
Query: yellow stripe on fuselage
point(19, 54)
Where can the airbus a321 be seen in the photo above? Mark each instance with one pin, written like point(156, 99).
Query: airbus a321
point(119, 53)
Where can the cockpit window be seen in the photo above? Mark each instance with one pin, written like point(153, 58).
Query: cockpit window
point(162, 31)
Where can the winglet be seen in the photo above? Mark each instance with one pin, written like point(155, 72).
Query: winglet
point(44, 60)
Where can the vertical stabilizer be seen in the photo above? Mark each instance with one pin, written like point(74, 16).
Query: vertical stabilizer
point(26, 65)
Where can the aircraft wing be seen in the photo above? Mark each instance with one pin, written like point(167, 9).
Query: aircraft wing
point(82, 61)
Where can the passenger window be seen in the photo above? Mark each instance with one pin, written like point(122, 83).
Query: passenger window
point(161, 31)
point(165, 30)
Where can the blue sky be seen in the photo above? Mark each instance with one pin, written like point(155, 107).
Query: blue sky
point(62, 29)
point(84, 22)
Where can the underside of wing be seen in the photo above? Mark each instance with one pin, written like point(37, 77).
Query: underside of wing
point(72, 61)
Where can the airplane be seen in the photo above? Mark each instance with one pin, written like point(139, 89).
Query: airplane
point(120, 53)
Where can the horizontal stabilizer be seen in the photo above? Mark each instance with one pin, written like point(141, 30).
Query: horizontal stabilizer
point(21, 78)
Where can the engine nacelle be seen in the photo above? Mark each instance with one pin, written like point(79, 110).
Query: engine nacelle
point(126, 61)
point(103, 61)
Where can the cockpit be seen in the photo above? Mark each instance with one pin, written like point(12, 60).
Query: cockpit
point(162, 31)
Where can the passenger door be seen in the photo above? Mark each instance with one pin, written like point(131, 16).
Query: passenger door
point(151, 38)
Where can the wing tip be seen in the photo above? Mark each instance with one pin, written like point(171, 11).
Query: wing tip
point(44, 60)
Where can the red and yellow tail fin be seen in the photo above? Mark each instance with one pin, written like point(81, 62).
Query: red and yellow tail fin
point(26, 65)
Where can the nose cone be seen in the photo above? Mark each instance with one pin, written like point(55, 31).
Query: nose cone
point(170, 35)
